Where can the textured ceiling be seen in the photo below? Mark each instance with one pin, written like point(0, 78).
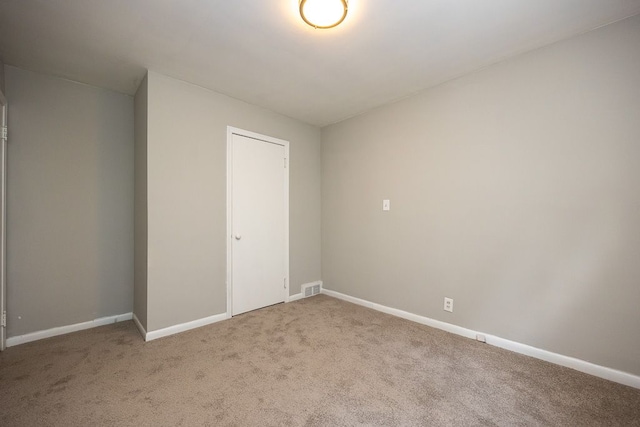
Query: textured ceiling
point(261, 52)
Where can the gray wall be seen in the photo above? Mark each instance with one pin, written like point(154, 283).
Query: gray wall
point(140, 208)
point(514, 190)
point(70, 202)
point(186, 149)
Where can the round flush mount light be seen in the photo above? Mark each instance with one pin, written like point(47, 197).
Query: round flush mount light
point(323, 13)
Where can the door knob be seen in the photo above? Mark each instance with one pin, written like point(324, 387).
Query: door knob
point(238, 237)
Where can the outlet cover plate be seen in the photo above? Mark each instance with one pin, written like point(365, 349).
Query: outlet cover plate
point(448, 304)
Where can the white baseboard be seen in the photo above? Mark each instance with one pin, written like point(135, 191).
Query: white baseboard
point(171, 330)
point(141, 328)
point(558, 359)
point(295, 297)
point(61, 330)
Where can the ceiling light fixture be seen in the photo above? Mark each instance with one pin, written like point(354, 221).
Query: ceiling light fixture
point(323, 13)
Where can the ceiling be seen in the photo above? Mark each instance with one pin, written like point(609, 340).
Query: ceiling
point(261, 52)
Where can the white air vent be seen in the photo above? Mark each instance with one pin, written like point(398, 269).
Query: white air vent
point(311, 289)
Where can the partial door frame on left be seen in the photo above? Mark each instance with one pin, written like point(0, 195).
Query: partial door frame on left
point(3, 221)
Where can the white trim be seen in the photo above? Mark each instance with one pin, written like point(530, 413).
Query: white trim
point(229, 217)
point(295, 297)
point(287, 165)
point(141, 328)
point(458, 330)
point(182, 327)
point(548, 356)
point(61, 330)
point(3, 221)
point(235, 131)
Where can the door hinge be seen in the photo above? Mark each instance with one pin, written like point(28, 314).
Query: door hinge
point(3, 322)
point(285, 283)
point(3, 133)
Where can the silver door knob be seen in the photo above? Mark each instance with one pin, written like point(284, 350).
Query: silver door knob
point(238, 237)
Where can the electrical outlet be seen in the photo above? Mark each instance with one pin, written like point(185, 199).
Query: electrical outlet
point(448, 304)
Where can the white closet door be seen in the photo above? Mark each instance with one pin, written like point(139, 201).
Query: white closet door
point(258, 238)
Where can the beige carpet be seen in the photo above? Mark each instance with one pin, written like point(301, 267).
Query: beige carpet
point(318, 361)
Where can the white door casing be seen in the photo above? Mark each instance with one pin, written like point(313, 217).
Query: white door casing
point(3, 223)
point(257, 221)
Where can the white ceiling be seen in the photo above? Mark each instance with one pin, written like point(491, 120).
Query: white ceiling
point(261, 52)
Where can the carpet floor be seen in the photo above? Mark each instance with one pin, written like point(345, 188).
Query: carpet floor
point(315, 362)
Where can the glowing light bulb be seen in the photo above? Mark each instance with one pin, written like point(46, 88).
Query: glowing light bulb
point(323, 13)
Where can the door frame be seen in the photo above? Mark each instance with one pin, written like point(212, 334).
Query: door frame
point(267, 139)
point(3, 224)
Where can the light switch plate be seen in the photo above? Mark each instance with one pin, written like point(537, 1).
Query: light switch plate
point(386, 205)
